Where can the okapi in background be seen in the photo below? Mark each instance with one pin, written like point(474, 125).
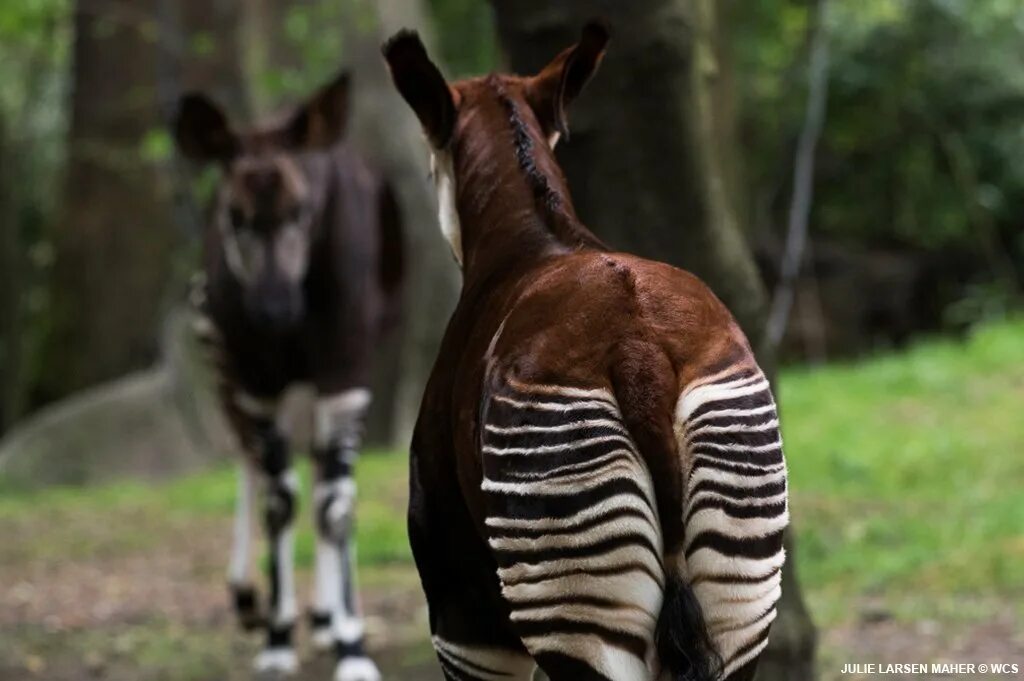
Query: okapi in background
point(597, 478)
point(303, 261)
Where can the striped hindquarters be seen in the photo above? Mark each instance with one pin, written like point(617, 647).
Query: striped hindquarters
point(735, 509)
point(572, 523)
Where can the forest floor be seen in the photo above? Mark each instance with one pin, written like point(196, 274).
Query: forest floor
point(906, 473)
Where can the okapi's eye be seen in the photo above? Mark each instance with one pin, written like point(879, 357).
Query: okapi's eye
point(237, 216)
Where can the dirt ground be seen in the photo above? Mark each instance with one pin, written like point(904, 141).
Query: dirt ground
point(79, 601)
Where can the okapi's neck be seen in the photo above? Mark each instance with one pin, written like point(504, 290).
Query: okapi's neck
point(512, 198)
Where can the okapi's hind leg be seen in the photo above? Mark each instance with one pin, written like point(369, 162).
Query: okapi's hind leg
point(337, 615)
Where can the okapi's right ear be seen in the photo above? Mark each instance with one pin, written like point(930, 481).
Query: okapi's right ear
point(552, 90)
point(202, 131)
point(421, 85)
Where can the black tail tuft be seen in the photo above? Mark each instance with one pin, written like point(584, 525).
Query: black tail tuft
point(684, 644)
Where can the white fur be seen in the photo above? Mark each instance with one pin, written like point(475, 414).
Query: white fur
point(241, 545)
point(485, 662)
point(322, 639)
point(443, 172)
point(280, 661)
point(357, 669)
point(340, 412)
point(327, 584)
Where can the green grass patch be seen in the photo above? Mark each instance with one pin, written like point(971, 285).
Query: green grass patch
point(907, 471)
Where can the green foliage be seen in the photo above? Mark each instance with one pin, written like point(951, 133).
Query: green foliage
point(466, 36)
point(923, 138)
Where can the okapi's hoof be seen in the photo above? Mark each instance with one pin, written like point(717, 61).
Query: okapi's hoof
point(320, 626)
point(276, 663)
point(357, 669)
point(247, 608)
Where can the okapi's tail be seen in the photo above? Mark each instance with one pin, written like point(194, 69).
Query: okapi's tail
point(720, 599)
point(685, 648)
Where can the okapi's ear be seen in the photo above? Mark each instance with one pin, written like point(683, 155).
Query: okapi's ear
point(421, 85)
point(552, 90)
point(202, 131)
point(320, 122)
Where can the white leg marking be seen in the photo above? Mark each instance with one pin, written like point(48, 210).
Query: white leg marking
point(282, 661)
point(287, 608)
point(327, 589)
point(340, 413)
point(357, 669)
point(239, 569)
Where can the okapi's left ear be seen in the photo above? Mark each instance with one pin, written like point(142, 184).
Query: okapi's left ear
point(422, 86)
point(552, 90)
point(320, 122)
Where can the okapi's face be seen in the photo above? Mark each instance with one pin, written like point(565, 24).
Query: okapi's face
point(271, 194)
point(452, 112)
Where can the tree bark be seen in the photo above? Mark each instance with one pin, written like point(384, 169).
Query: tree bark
point(113, 236)
point(647, 164)
point(385, 128)
point(10, 276)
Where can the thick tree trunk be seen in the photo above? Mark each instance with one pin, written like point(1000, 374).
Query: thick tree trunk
point(649, 169)
point(387, 130)
point(113, 237)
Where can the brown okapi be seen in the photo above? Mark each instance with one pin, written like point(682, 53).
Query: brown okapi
point(597, 480)
point(302, 272)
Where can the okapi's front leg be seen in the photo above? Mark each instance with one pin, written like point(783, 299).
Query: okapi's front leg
point(240, 581)
point(280, 500)
point(337, 616)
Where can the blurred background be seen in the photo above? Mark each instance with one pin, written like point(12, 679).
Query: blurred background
point(846, 174)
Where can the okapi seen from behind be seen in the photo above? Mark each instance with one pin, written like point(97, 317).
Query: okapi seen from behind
point(302, 271)
point(597, 480)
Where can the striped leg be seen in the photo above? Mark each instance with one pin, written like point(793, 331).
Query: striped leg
point(735, 511)
point(573, 525)
point(337, 616)
point(280, 499)
point(461, 662)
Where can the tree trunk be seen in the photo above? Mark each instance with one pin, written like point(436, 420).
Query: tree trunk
point(213, 60)
point(10, 275)
point(113, 236)
point(385, 128)
point(648, 167)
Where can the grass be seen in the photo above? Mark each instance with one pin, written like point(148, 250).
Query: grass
point(381, 530)
point(906, 473)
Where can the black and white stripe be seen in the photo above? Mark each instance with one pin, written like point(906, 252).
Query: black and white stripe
point(462, 662)
point(735, 510)
point(572, 521)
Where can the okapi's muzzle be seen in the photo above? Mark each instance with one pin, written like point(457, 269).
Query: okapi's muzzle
point(275, 303)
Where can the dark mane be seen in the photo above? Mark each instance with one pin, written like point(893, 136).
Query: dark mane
point(567, 225)
point(543, 192)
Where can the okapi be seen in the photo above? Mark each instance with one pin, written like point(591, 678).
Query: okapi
point(597, 479)
point(303, 262)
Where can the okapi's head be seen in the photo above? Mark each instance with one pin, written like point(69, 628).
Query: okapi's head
point(465, 119)
point(272, 192)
